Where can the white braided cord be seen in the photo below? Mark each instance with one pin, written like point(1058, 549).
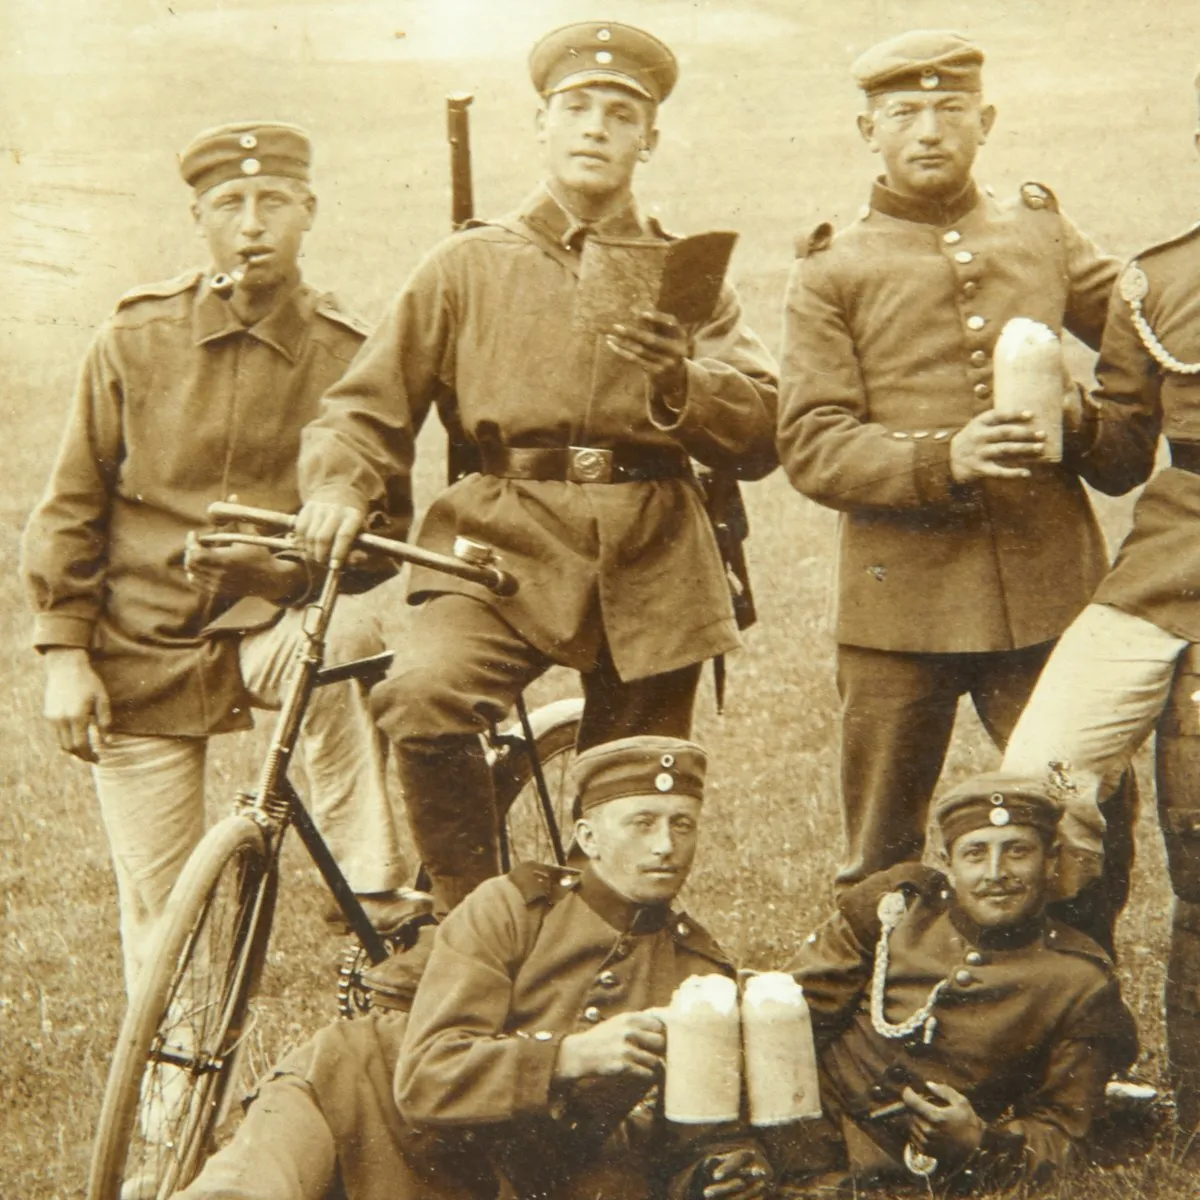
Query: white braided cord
point(1158, 351)
point(891, 909)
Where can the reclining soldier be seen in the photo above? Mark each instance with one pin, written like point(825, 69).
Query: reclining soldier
point(961, 1033)
point(529, 1053)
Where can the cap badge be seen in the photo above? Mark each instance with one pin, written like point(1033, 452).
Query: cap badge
point(604, 57)
point(999, 816)
point(929, 79)
point(667, 760)
point(251, 166)
point(603, 35)
point(664, 782)
point(248, 141)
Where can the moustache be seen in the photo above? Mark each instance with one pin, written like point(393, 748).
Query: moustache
point(999, 889)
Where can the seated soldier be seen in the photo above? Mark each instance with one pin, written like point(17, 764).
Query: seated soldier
point(961, 1033)
point(529, 1054)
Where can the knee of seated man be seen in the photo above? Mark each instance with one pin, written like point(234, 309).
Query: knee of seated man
point(354, 632)
point(420, 701)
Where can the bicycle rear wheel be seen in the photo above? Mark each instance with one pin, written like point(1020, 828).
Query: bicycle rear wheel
point(524, 822)
point(176, 1055)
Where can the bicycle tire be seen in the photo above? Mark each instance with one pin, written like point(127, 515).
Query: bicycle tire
point(177, 1051)
point(518, 807)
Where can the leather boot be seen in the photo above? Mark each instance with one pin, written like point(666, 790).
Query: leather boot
point(449, 794)
point(1183, 1012)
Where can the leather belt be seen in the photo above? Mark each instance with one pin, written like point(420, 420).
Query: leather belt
point(1185, 456)
point(584, 464)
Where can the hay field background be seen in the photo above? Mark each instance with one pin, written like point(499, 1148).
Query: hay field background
point(96, 98)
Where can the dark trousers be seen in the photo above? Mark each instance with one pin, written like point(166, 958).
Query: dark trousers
point(898, 713)
point(462, 668)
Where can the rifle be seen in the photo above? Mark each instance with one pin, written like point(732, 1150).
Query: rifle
point(462, 458)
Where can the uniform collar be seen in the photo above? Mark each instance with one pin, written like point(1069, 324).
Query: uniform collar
point(283, 328)
point(1004, 937)
point(926, 212)
point(543, 213)
point(619, 911)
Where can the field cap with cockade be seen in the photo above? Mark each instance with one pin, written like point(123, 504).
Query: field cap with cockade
point(243, 150)
point(637, 766)
point(922, 60)
point(599, 52)
point(995, 800)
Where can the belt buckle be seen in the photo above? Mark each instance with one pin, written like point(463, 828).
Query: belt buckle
point(588, 465)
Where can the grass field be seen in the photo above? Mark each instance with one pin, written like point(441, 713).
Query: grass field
point(96, 98)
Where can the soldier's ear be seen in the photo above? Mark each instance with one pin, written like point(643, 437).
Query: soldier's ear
point(1196, 139)
point(585, 838)
point(987, 118)
point(866, 128)
point(539, 121)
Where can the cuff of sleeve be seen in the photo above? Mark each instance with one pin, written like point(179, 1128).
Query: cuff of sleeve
point(1079, 442)
point(534, 1076)
point(309, 584)
point(57, 629)
point(668, 417)
point(332, 493)
point(935, 482)
point(999, 1157)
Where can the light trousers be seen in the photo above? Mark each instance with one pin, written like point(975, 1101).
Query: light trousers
point(151, 788)
point(1097, 699)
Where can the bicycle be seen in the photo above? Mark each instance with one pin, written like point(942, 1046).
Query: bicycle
point(169, 1086)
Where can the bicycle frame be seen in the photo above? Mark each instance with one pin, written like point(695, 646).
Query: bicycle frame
point(275, 804)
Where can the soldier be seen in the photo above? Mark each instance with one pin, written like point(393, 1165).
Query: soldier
point(963, 554)
point(584, 484)
point(961, 1033)
point(528, 1053)
point(1115, 668)
point(195, 389)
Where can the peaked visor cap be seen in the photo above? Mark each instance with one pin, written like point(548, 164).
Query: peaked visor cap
point(603, 52)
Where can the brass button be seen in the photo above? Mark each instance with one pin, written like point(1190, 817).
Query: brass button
point(941, 435)
point(964, 257)
point(591, 1013)
point(543, 1035)
point(683, 929)
point(974, 958)
point(248, 141)
point(970, 288)
point(962, 978)
point(952, 237)
point(982, 391)
point(979, 358)
point(899, 435)
point(607, 979)
point(879, 1092)
point(920, 435)
point(976, 322)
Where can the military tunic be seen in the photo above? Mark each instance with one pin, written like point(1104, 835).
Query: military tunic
point(425, 1106)
point(178, 405)
point(484, 330)
point(890, 331)
point(1157, 572)
point(1029, 1025)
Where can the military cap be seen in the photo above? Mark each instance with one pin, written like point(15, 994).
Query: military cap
point(923, 60)
point(243, 150)
point(995, 800)
point(598, 52)
point(637, 766)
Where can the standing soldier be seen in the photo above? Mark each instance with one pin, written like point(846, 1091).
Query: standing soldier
point(963, 555)
point(584, 486)
point(1131, 651)
point(195, 389)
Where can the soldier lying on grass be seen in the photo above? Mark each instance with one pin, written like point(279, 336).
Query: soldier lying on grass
point(961, 1033)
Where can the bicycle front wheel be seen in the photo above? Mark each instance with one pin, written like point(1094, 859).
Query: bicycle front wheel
point(176, 1055)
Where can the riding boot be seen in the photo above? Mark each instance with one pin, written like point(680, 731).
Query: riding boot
point(449, 794)
point(1183, 1013)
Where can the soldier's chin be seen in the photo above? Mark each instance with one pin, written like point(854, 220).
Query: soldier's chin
point(997, 911)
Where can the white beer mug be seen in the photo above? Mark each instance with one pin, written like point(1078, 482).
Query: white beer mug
point(1027, 376)
point(704, 1052)
point(781, 1060)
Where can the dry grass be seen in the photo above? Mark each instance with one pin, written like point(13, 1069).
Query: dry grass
point(97, 97)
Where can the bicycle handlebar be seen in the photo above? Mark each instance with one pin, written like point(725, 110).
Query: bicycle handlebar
point(491, 577)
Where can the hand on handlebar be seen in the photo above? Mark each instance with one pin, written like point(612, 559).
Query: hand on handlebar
point(325, 531)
